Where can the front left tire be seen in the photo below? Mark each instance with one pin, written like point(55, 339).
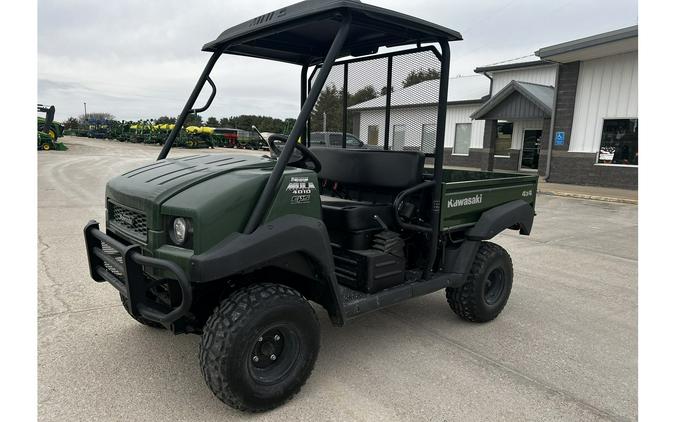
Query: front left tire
point(259, 347)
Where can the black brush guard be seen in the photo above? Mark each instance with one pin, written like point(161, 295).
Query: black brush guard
point(127, 276)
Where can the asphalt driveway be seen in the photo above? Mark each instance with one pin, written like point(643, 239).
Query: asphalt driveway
point(565, 347)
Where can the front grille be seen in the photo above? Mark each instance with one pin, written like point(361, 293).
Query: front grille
point(128, 220)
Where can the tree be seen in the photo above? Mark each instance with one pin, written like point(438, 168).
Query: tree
point(71, 123)
point(93, 117)
point(417, 76)
point(289, 122)
point(212, 121)
point(329, 107)
point(331, 102)
point(383, 90)
point(364, 94)
point(165, 119)
point(193, 120)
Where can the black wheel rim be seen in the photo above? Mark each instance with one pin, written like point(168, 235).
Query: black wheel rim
point(273, 354)
point(494, 286)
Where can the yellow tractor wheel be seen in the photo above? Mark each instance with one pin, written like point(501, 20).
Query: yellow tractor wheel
point(190, 143)
point(46, 147)
point(52, 134)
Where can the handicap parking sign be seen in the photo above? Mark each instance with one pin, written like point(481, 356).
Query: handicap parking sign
point(560, 138)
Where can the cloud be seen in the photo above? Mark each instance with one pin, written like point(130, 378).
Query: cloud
point(141, 59)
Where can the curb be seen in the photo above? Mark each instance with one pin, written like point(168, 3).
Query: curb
point(591, 197)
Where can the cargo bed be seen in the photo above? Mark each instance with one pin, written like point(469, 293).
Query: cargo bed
point(467, 194)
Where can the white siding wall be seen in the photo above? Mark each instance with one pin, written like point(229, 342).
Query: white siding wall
point(414, 118)
point(462, 114)
point(543, 75)
point(607, 88)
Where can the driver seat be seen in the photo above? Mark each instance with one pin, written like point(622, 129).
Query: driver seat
point(359, 184)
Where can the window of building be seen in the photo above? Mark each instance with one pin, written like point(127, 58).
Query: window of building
point(619, 142)
point(399, 137)
point(428, 138)
point(373, 134)
point(504, 135)
point(462, 139)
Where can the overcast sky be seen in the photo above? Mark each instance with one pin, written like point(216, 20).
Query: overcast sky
point(140, 59)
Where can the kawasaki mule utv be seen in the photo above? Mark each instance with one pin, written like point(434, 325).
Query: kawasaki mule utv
point(234, 247)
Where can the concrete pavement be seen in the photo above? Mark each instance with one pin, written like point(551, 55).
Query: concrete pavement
point(565, 347)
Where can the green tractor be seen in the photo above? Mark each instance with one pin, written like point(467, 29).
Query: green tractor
point(119, 130)
point(49, 131)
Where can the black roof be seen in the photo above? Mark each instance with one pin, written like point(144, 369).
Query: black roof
point(303, 32)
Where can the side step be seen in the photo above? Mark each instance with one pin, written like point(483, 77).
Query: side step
point(356, 303)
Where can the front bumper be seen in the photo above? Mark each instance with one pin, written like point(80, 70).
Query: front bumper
point(122, 266)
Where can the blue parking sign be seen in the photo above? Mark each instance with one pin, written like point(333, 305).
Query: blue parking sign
point(560, 138)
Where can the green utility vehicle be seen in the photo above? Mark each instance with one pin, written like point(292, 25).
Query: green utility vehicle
point(233, 247)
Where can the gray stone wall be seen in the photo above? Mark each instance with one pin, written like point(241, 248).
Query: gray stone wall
point(568, 77)
point(580, 168)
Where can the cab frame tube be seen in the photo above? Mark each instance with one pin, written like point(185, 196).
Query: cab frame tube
point(189, 105)
point(438, 158)
point(270, 188)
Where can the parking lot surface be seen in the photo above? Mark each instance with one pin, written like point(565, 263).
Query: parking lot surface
point(564, 348)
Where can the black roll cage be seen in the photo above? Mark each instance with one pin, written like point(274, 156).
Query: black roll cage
point(300, 129)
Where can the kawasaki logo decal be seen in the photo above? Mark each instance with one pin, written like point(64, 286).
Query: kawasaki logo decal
point(301, 188)
point(127, 219)
point(471, 200)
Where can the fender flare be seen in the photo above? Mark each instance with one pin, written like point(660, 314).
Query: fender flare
point(290, 234)
point(516, 213)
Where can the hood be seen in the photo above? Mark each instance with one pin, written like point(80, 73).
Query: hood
point(146, 188)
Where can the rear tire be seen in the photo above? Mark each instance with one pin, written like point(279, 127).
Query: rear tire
point(259, 347)
point(146, 322)
point(487, 288)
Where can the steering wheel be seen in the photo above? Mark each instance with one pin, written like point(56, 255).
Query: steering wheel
point(300, 157)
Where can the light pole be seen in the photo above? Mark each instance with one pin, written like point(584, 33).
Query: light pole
point(85, 112)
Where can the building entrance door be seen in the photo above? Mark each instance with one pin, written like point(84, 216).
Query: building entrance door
point(529, 159)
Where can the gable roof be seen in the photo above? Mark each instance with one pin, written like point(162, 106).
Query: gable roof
point(462, 89)
point(588, 42)
point(541, 96)
point(303, 32)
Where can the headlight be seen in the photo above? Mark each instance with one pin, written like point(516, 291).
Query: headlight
point(180, 230)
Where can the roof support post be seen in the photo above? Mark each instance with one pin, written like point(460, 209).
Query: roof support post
point(438, 158)
point(188, 105)
point(345, 102)
point(303, 98)
point(269, 190)
point(387, 107)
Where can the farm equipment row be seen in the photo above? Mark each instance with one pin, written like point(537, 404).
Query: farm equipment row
point(147, 132)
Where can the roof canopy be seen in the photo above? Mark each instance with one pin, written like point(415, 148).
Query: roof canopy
point(517, 101)
point(303, 32)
